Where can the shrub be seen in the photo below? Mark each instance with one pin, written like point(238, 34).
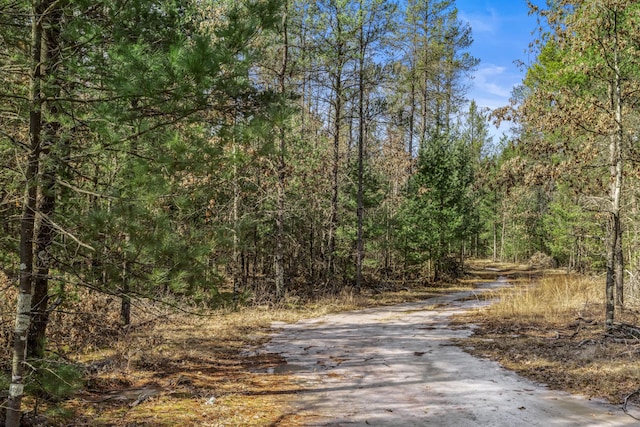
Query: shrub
point(54, 381)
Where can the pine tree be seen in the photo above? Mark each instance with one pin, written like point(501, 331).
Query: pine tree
point(586, 71)
point(108, 120)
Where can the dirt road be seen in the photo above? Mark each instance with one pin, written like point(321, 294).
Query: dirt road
point(396, 366)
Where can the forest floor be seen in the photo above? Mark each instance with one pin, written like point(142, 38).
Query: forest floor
point(206, 371)
point(182, 369)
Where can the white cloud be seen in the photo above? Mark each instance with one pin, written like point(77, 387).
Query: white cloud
point(494, 80)
point(482, 23)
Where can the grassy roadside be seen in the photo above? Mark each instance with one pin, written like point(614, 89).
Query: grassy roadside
point(177, 369)
point(201, 370)
point(551, 330)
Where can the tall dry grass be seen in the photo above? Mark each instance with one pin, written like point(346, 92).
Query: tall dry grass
point(557, 298)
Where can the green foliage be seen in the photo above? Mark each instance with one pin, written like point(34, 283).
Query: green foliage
point(54, 380)
point(551, 69)
point(437, 216)
point(5, 380)
point(571, 233)
point(373, 193)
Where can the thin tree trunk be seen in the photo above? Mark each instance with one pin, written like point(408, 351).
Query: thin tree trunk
point(125, 303)
point(614, 277)
point(495, 241)
point(412, 121)
point(236, 246)
point(27, 225)
point(502, 236)
point(619, 136)
point(333, 216)
point(280, 210)
point(412, 106)
point(387, 244)
point(44, 238)
point(425, 89)
point(125, 298)
point(615, 262)
point(50, 52)
point(361, 142)
point(610, 275)
point(619, 269)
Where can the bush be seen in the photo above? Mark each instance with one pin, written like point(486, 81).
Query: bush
point(54, 381)
point(542, 260)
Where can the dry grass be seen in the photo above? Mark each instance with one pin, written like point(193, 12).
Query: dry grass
point(177, 369)
point(172, 368)
point(197, 371)
point(555, 298)
point(552, 331)
point(203, 371)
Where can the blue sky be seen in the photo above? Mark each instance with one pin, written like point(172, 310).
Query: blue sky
point(502, 31)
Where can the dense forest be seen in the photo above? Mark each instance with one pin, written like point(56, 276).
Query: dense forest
point(236, 152)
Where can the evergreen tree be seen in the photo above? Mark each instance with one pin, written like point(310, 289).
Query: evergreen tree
point(439, 205)
point(477, 143)
point(107, 119)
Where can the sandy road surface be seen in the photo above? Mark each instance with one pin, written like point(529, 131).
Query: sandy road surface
point(395, 366)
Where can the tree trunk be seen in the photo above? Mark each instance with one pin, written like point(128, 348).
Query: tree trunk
point(333, 216)
point(615, 261)
point(502, 236)
point(412, 121)
point(495, 225)
point(494, 255)
point(27, 225)
point(280, 210)
point(23, 305)
point(361, 142)
point(50, 51)
point(619, 166)
point(125, 299)
point(235, 264)
point(619, 269)
point(125, 303)
point(279, 235)
point(614, 277)
point(610, 276)
point(44, 238)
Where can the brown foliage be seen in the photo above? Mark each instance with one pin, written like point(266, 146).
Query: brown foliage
point(85, 320)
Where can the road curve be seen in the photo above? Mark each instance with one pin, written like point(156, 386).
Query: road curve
point(396, 366)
